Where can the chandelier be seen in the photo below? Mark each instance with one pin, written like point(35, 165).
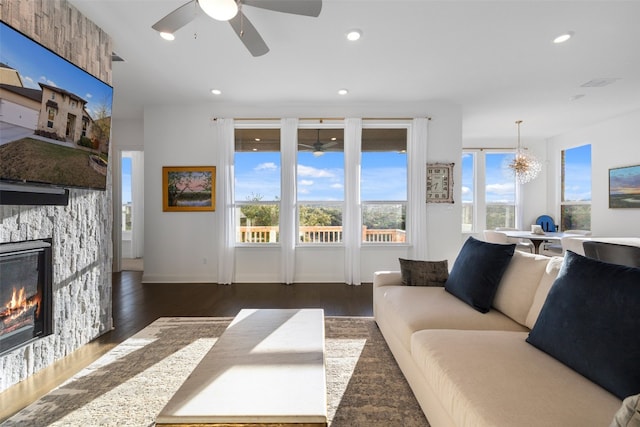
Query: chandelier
point(524, 166)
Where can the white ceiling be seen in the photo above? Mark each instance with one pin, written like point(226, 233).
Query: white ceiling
point(495, 59)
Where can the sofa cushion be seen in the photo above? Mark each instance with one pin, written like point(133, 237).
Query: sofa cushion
point(494, 378)
point(413, 308)
point(477, 271)
point(548, 277)
point(519, 285)
point(590, 321)
point(423, 273)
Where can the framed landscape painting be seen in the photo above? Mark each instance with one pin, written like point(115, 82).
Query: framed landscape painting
point(188, 188)
point(624, 187)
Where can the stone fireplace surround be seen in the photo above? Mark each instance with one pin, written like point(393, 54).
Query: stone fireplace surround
point(81, 231)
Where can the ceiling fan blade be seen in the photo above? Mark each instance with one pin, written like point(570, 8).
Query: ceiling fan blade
point(306, 146)
point(178, 18)
point(296, 7)
point(329, 144)
point(248, 34)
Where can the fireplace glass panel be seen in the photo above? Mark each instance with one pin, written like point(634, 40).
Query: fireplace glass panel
point(24, 294)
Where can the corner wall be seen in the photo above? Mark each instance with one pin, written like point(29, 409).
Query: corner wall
point(614, 143)
point(81, 231)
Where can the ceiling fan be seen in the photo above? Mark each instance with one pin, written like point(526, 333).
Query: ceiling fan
point(318, 147)
point(231, 10)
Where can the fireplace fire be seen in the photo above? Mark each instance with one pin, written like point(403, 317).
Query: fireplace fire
point(25, 292)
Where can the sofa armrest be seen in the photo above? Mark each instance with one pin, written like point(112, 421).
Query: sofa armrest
point(386, 278)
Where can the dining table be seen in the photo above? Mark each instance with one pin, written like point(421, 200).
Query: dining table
point(537, 238)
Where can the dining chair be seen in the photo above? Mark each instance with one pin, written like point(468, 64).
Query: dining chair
point(494, 236)
point(522, 244)
point(612, 253)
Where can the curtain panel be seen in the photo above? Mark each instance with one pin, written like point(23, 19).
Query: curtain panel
point(225, 209)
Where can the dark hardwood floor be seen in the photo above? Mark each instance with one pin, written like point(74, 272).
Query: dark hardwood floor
point(136, 305)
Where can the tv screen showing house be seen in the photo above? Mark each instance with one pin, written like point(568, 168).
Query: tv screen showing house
point(55, 118)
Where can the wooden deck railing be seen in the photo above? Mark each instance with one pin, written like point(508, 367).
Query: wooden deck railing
point(318, 234)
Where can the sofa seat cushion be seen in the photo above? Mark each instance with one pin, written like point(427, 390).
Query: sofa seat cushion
point(494, 378)
point(413, 308)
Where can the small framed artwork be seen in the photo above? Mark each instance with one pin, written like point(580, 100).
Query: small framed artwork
point(188, 188)
point(440, 182)
point(624, 187)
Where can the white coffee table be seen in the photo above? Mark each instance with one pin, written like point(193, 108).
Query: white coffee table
point(266, 369)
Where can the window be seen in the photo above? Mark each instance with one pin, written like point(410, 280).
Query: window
point(51, 115)
point(257, 185)
point(320, 185)
point(468, 191)
point(496, 205)
point(383, 185)
point(575, 200)
point(500, 191)
point(126, 195)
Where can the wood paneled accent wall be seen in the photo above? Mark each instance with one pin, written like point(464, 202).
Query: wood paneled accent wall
point(62, 28)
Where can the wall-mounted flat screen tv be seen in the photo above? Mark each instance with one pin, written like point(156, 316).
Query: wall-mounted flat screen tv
point(55, 118)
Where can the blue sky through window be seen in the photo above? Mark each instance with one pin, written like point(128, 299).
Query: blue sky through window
point(577, 179)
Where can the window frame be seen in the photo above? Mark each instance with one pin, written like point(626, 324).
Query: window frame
point(381, 125)
point(325, 124)
point(479, 205)
point(237, 204)
point(571, 203)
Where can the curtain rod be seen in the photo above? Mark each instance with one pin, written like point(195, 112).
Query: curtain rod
point(321, 119)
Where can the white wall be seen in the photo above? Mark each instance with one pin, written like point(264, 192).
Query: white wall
point(614, 143)
point(181, 246)
point(126, 135)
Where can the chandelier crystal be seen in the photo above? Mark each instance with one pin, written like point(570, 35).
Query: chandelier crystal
point(524, 166)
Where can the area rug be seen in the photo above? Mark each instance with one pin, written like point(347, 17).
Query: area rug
point(131, 384)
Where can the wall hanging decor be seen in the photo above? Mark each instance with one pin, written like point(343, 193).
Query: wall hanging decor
point(624, 187)
point(440, 182)
point(188, 188)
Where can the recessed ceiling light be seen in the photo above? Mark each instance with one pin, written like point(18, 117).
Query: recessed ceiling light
point(343, 92)
point(256, 139)
point(216, 91)
point(563, 37)
point(353, 35)
point(254, 149)
point(167, 36)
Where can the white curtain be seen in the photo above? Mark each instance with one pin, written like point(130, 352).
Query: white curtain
point(137, 198)
point(225, 208)
point(352, 218)
point(417, 206)
point(288, 200)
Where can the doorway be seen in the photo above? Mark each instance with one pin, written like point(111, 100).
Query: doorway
point(132, 212)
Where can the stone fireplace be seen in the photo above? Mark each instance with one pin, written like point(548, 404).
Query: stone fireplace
point(80, 232)
point(25, 293)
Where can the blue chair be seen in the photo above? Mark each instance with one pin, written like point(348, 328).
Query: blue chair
point(547, 224)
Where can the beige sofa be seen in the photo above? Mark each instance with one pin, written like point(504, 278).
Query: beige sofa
point(472, 369)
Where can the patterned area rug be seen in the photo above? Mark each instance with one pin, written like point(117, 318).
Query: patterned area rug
point(129, 385)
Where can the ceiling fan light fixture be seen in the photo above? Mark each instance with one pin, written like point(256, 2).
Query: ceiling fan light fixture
point(221, 10)
point(167, 36)
point(317, 153)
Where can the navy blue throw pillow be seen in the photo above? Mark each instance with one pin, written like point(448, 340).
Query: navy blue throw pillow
point(477, 272)
point(590, 321)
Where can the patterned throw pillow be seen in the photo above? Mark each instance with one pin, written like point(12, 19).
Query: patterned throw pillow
point(423, 273)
